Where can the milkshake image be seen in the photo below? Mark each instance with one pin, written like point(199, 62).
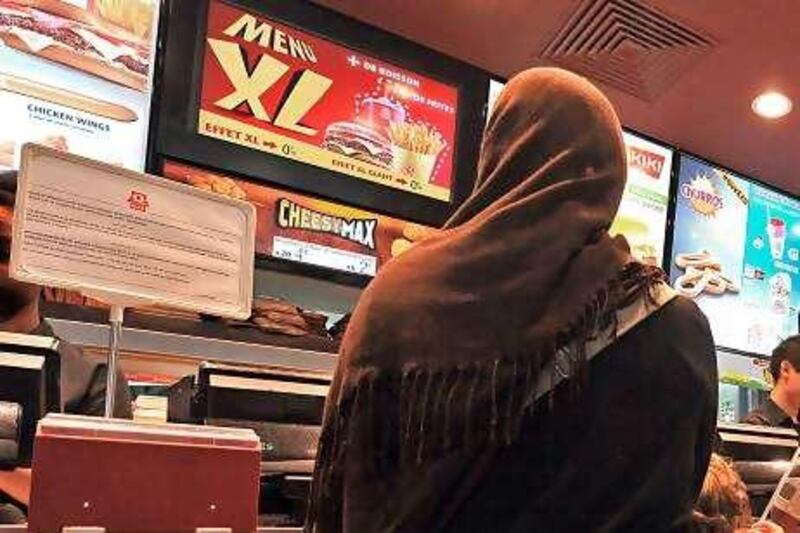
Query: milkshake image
point(776, 229)
point(780, 291)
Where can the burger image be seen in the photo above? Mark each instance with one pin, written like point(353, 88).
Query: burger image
point(95, 43)
point(359, 142)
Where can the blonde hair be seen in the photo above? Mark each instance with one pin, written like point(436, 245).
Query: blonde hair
point(724, 495)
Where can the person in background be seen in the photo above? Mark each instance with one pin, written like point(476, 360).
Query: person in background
point(464, 399)
point(82, 381)
point(782, 407)
point(723, 505)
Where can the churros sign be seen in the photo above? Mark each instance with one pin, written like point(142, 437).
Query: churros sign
point(702, 195)
point(277, 89)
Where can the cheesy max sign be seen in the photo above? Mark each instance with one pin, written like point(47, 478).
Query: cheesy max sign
point(274, 88)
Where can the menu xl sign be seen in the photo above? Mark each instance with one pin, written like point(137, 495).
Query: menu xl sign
point(274, 88)
point(248, 86)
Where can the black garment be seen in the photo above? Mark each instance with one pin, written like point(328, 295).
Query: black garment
point(83, 382)
point(630, 454)
point(769, 414)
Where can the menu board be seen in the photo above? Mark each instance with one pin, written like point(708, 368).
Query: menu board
point(642, 215)
point(292, 94)
point(736, 252)
point(306, 230)
point(76, 75)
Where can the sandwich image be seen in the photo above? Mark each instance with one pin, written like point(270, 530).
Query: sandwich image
point(358, 142)
point(66, 98)
point(637, 233)
point(646, 253)
point(78, 38)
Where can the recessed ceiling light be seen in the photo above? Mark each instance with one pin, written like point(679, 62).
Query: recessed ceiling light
point(771, 105)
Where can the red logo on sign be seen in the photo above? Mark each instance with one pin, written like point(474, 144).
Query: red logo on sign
point(138, 201)
point(648, 162)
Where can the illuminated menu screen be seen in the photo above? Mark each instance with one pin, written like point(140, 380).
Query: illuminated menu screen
point(736, 251)
point(642, 215)
point(289, 93)
point(76, 75)
point(301, 229)
point(495, 88)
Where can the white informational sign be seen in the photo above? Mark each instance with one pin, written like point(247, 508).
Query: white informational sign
point(324, 256)
point(88, 226)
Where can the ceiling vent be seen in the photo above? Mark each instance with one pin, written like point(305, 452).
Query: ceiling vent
point(628, 45)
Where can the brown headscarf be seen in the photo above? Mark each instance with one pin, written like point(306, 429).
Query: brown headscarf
point(446, 343)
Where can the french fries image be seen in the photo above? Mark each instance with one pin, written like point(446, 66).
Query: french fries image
point(415, 148)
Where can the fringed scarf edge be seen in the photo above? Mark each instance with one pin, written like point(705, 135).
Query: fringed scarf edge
point(408, 434)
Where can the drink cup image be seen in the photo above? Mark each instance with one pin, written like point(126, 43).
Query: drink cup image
point(776, 229)
point(380, 113)
point(780, 292)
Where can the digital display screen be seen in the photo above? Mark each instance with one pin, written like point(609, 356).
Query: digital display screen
point(76, 75)
point(642, 214)
point(292, 94)
point(495, 88)
point(736, 251)
point(307, 230)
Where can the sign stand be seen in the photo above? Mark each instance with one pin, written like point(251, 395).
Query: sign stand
point(116, 315)
point(115, 318)
point(150, 241)
point(136, 240)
